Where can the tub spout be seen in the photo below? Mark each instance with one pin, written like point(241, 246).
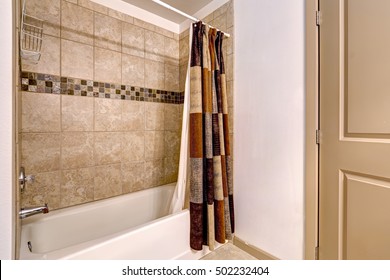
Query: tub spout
point(30, 211)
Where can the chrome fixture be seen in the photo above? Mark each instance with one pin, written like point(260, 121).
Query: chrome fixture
point(30, 211)
point(23, 179)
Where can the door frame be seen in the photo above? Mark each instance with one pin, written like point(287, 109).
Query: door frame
point(311, 241)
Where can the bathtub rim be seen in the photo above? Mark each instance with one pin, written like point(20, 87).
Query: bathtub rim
point(72, 251)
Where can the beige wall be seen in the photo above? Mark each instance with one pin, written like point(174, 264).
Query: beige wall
point(89, 41)
point(270, 125)
point(95, 146)
point(85, 148)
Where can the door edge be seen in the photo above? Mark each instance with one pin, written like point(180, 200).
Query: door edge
point(311, 240)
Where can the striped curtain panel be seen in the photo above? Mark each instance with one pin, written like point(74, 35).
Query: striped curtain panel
point(211, 183)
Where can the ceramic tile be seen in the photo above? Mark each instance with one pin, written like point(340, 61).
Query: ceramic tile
point(133, 40)
point(108, 115)
point(172, 144)
point(120, 16)
point(93, 6)
point(164, 32)
point(144, 24)
point(231, 120)
point(133, 146)
point(221, 10)
point(77, 113)
point(229, 42)
point(184, 50)
point(154, 116)
point(182, 77)
point(184, 33)
point(230, 15)
point(133, 174)
point(209, 18)
point(230, 93)
point(45, 83)
point(133, 115)
point(171, 51)
point(18, 111)
point(154, 173)
point(172, 77)
point(220, 22)
point(231, 137)
point(49, 12)
point(76, 60)
point(108, 181)
point(107, 66)
point(154, 74)
point(77, 186)
point(108, 32)
point(76, 23)
point(154, 46)
point(229, 68)
point(171, 169)
point(133, 70)
point(154, 145)
point(172, 117)
point(108, 147)
point(45, 189)
point(40, 112)
point(49, 62)
point(181, 108)
point(76, 150)
point(40, 152)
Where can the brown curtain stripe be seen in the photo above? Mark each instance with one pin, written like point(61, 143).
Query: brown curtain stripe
point(211, 188)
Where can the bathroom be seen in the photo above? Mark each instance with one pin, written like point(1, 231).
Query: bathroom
point(78, 139)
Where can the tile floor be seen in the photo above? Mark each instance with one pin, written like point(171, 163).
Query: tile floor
point(228, 252)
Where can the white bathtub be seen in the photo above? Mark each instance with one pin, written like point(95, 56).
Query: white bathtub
point(133, 226)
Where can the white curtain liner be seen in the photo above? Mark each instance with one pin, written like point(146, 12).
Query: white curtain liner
point(179, 194)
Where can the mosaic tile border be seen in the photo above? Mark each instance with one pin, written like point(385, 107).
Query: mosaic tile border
point(52, 84)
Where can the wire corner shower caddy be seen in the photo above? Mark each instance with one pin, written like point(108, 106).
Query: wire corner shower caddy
point(31, 33)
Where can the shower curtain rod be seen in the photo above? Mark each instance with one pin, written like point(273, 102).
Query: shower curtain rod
point(183, 14)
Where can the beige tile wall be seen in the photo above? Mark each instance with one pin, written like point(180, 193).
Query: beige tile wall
point(85, 40)
point(83, 149)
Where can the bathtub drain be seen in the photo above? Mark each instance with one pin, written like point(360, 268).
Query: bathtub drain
point(29, 246)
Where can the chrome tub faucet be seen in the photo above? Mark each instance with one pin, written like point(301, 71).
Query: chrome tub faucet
point(30, 211)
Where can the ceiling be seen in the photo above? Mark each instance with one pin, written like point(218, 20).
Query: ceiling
point(188, 6)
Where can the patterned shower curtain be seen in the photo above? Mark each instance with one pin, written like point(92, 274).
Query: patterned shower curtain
point(211, 183)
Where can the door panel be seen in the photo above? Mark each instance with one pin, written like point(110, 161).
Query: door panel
point(367, 66)
point(355, 130)
point(366, 210)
